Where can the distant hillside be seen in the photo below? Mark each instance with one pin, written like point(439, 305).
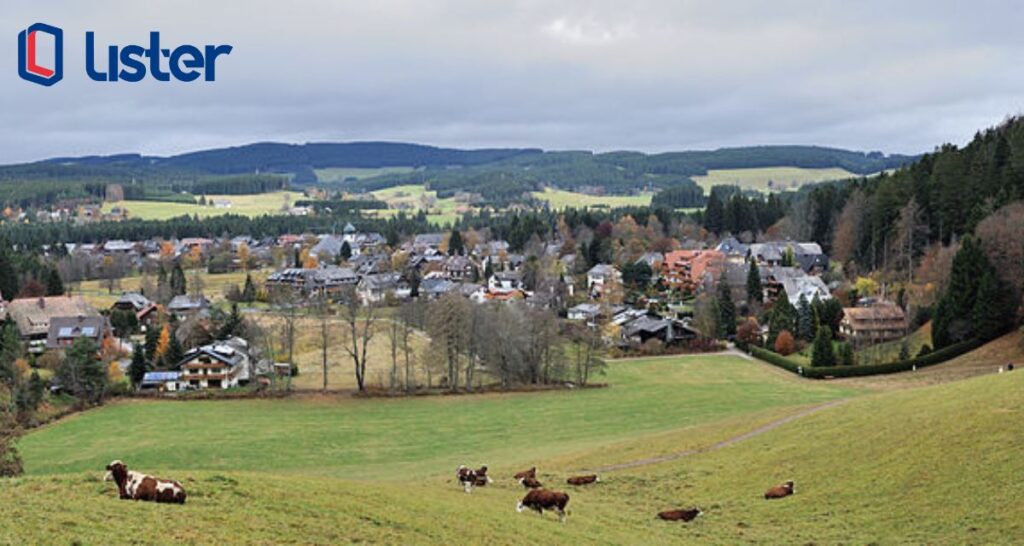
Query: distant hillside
point(500, 175)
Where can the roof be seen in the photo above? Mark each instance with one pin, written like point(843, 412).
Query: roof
point(880, 311)
point(329, 244)
point(187, 303)
point(160, 377)
point(63, 328)
point(437, 286)
point(603, 270)
point(135, 299)
point(33, 315)
point(231, 352)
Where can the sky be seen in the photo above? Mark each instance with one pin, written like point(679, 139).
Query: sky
point(899, 77)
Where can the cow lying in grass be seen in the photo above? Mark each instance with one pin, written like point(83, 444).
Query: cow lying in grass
point(583, 480)
point(138, 486)
point(469, 478)
point(782, 490)
point(531, 473)
point(530, 482)
point(544, 499)
point(688, 514)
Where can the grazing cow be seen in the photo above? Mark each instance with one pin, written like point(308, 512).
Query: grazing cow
point(681, 514)
point(481, 474)
point(531, 473)
point(583, 480)
point(138, 486)
point(544, 499)
point(782, 490)
point(530, 482)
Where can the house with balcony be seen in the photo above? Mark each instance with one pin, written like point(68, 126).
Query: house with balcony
point(219, 365)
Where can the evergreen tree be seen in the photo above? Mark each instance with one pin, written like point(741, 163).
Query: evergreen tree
point(993, 309)
point(8, 277)
point(846, 355)
point(249, 292)
point(54, 284)
point(962, 312)
point(805, 319)
point(175, 354)
point(82, 373)
point(726, 311)
point(346, 251)
point(10, 351)
point(488, 270)
point(822, 354)
point(36, 390)
point(714, 213)
point(755, 292)
point(152, 341)
point(179, 286)
point(138, 368)
point(455, 244)
point(788, 258)
point(782, 317)
point(232, 325)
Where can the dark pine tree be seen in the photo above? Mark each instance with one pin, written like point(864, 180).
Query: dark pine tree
point(755, 293)
point(346, 251)
point(714, 214)
point(822, 354)
point(179, 286)
point(726, 310)
point(8, 277)
point(138, 368)
point(455, 244)
point(54, 284)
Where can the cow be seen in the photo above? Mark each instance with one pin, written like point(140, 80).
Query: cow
point(685, 515)
point(470, 478)
point(531, 473)
point(545, 499)
point(530, 482)
point(583, 480)
point(782, 490)
point(133, 485)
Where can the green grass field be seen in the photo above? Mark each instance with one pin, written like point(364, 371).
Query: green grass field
point(781, 178)
point(246, 205)
point(934, 465)
point(560, 199)
point(340, 174)
point(415, 197)
point(214, 286)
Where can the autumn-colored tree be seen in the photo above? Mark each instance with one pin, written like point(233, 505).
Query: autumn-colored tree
point(244, 256)
point(749, 332)
point(163, 343)
point(114, 373)
point(785, 344)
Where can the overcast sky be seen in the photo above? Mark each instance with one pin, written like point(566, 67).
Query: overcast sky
point(645, 75)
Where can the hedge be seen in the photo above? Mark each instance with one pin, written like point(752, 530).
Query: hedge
point(930, 359)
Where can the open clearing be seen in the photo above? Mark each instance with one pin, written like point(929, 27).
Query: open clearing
point(244, 205)
point(780, 178)
point(215, 286)
point(938, 464)
point(560, 199)
point(341, 174)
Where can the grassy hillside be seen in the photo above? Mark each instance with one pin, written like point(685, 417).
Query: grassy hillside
point(936, 465)
point(560, 199)
point(340, 174)
point(416, 437)
point(780, 178)
point(246, 205)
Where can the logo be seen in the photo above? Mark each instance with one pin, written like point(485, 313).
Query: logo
point(125, 63)
point(30, 67)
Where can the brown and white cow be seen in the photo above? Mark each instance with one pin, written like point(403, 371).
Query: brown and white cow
point(682, 514)
point(133, 485)
point(544, 499)
point(530, 482)
point(469, 478)
point(583, 480)
point(782, 490)
point(531, 473)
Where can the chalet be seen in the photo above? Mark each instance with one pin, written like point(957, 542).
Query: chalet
point(875, 323)
point(188, 306)
point(201, 244)
point(325, 280)
point(600, 276)
point(219, 365)
point(795, 282)
point(806, 256)
point(688, 269)
point(33, 315)
point(584, 311)
point(64, 331)
point(733, 250)
point(144, 309)
point(328, 248)
point(428, 243)
point(458, 268)
point(374, 288)
point(436, 287)
point(505, 281)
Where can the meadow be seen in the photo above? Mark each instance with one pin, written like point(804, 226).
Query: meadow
point(215, 286)
point(341, 174)
point(245, 205)
point(935, 464)
point(560, 199)
point(766, 179)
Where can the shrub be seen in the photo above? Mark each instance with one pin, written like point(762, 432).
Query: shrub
point(785, 345)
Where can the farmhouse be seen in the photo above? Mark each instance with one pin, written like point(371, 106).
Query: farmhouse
point(875, 323)
point(220, 365)
point(374, 288)
point(600, 276)
point(185, 307)
point(319, 280)
point(806, 256)
point(143, 308)
point(504, 281)
point(64, 331)
point(33, 315)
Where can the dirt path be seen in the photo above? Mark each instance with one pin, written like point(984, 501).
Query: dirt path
point(723, 444)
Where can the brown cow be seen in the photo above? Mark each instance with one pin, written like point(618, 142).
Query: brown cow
point(530, 482)
point(583, 480)
point(133, 485)
point(689, 514)
point(531, 473)
point(470, 478)
point(782, 490)
point(544, 499)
